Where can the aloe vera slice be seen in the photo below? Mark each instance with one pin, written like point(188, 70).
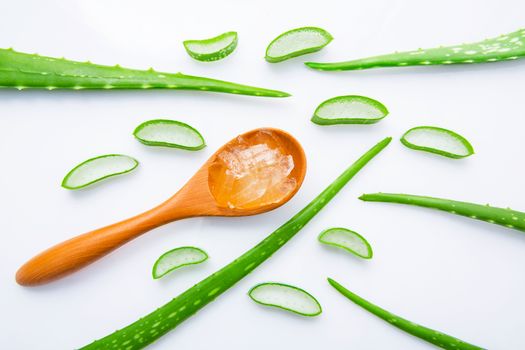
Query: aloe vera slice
point(177, 258)
point(147, 329)
point(351, 109)
point(98, 168)
point(437, 140)
point(504, 47)
point(348, 240)
point(297, 42)
point(432, 336)
point(286, 297)
point(505, 217)
point(212, 49)
point(169, 133)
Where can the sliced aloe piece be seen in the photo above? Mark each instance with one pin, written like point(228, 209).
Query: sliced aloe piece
point(285, 297)
point(212, 49)
point(348, 240)
point(297, 42)
point(437, 140)
point(98, 168)
point(432, 336)
point(169, 133)
point(509, 46)
point(177, 258)
point(351, 109)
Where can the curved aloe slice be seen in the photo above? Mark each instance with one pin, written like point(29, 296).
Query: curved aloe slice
point(151, 327)
point(169, 133)
point(212, 49)
point(98, 168)
point(21, 71)
point(504, 217)
point(504, 47)
point(351, 109)
point(285, 297)
point(348, 240)
point(297, 42)
point(176, 258)
point(437, 140)
point(432, 336)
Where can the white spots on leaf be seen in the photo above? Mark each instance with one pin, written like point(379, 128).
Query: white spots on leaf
point(173, 314)
point(197, 302)
point(471, 52)
point(505, 49)
point(468, 61)
point(182, 308)
point(214, 291)
point(156, 324)
point(447, 62)
point(249, 266)
point(492, 60)
point(402, 63)
point(425, 62)
point(108, 86)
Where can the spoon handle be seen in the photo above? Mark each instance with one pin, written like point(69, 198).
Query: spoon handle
point(78, 252)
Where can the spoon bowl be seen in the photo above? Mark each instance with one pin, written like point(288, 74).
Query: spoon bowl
point(251, 174)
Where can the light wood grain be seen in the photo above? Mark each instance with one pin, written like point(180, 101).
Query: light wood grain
point(194, 199)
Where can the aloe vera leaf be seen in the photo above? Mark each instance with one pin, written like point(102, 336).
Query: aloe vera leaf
point(348, 240)
point(432, 336)
point(350, 109)
point(22, 70)
point(297, 42)
point(177, 258)
point(97, 169)
point(500, 216)
point(169, 133)
point(504, 47)
point(212, 49)
point(286, 297)
point(151, 327)
point(437, 140)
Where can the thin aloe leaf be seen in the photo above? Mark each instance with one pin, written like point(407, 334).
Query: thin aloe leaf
point(169, 133)
point(97, 169)
point(437, 140)
point(286, 297)
point(504, 47)
point(499, 216)
point(177, 258)
point(351, 109)
point(348, 240)
point(212, 49)
point(21, 70)
point(432, 336)
point(151, 327)
point(297, 42)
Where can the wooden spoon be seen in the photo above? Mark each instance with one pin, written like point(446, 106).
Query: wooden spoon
point(205, 194)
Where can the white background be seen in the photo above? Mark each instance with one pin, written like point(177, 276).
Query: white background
point(461, 276)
